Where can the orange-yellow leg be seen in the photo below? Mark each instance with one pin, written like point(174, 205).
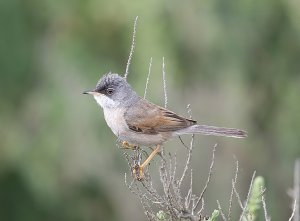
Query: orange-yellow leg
point(138, 171)
point(127, 145)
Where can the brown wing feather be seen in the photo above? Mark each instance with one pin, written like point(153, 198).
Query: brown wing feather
point(149, 118)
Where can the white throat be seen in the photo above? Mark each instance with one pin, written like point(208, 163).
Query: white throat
point(113, 114)
point(106, 102)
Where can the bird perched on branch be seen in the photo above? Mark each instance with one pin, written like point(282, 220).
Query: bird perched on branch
point(138, 122)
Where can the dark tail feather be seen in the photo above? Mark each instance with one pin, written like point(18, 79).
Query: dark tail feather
point(215, 131)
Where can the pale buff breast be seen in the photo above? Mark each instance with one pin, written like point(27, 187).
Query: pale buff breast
point(114, 117)
point(115, 120)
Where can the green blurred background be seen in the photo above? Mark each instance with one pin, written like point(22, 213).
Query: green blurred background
point(235, 62)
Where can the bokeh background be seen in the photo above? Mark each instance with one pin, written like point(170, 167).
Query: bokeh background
point(235, 62)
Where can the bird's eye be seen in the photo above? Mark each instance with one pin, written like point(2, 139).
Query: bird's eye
point(109, 91)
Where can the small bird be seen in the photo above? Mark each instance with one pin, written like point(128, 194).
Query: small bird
point(138, 122)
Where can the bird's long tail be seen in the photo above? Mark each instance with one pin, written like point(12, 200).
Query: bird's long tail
point(211, 130)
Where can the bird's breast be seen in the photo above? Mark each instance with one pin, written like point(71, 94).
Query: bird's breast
point(114, 118)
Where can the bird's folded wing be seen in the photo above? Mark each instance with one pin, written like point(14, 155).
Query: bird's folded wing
point(145, 117)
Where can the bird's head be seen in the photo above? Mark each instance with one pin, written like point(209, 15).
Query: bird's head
point(112, 90)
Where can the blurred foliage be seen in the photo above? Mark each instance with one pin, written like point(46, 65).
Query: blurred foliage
point(214, 215)
point(58, 159)
point(255, 199)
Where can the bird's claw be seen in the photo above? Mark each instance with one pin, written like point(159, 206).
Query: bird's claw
point(127, 145)
point(138, 172)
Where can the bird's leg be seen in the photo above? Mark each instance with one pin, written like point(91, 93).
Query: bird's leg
point(138, 171)
point(127, 145)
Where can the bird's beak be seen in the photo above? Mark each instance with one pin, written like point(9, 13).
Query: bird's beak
point(91, 92)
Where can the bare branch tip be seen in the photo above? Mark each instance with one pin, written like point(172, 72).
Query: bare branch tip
point(294, 210)
point(148, 78)
point(221, 211)
point(165, 82)
point(132, 47)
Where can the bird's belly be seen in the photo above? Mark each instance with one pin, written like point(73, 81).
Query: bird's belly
point(140, 139)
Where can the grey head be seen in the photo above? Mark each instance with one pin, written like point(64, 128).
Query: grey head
point(113, 91)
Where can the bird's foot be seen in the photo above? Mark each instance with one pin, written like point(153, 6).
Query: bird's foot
point(138, 172)
point(126, 145)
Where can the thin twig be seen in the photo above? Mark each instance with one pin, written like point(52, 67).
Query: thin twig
point(189, 195)
point(237, 195)
point(221, 211)
point(165, 82)
point(152, 192)
point(188, 161)
point(148, 77)
point(248, 196)
point(132, 47)
point(232, 190)
point(188, 107)
point(296, 190)
point(202, 207)
point(187, 165)
point(294, 209)
point(143, 199)
point(183, 142)
point(263, 200)
point(188, 199)
point(173, 173)
point(208, 178)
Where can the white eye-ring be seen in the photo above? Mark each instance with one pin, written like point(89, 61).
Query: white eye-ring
point(110, 91)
